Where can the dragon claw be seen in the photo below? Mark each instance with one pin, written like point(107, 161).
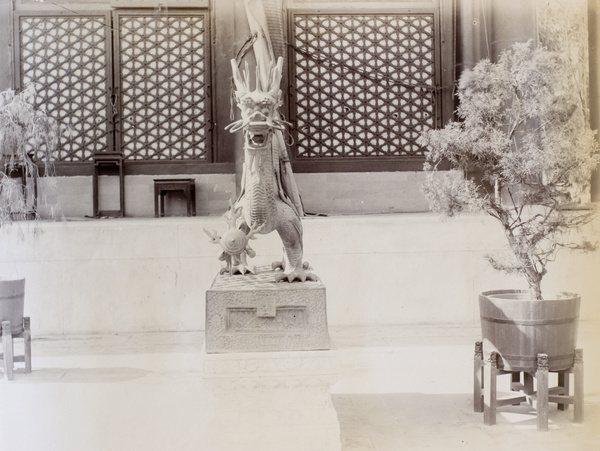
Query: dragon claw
point(278, 265)
point(243, 269)
point(299, 275)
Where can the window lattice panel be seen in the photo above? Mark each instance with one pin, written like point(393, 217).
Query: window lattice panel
point(364, 84)
point(163, 80)
point(66, 58)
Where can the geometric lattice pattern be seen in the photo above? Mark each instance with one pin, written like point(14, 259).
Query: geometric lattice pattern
point(66, 57)
point(163, 80)
point(364, 84)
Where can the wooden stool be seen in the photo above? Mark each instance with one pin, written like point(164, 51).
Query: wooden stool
point(484, 390)
point(8, 356)
point(107, 161)
point(162, 186)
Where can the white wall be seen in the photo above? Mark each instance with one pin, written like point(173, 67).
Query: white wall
point(118, 275)
point(362, 192)
point(324, 193)
point(72, 197)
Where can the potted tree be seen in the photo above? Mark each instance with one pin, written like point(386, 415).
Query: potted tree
point(522, 128)
point(28, 138)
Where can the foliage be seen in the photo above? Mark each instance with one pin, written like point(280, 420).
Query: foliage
point(28, 138)
point(520, 128)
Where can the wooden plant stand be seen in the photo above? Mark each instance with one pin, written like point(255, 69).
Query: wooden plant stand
point(485, 398)
point(8, 356)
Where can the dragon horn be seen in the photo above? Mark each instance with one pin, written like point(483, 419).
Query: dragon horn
point(240, 85)
point(276, 75)
point(247, 76)
point(258, 83)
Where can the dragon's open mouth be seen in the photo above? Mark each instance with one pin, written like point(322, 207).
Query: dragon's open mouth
point(258, 134)
point(257, 139)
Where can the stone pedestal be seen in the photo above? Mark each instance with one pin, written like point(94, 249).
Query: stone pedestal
point(267, 362)
point(254, 313)
point(272, 401)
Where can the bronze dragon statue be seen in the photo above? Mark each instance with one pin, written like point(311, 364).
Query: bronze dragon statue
point(268, 198)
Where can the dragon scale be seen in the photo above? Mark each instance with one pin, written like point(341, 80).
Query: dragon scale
point(259, 202)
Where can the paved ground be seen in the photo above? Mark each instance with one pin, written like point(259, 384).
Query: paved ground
point(399, 388)
point(416, 421)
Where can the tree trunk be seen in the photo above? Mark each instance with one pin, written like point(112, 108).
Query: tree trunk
point(526, 265)
point(535, 289)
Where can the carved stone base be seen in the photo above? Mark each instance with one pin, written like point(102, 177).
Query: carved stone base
point(254, 313)
point(272, 401)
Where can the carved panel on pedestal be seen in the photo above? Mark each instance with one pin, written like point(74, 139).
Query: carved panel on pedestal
point(254, 313)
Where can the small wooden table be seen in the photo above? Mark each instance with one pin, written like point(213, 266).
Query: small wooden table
point(162, 186)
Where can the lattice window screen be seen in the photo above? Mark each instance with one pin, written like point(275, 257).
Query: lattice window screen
point(364, 84)
point(66, 58)
point(163, 79)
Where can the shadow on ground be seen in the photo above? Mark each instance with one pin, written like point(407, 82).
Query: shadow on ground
point(79, 375)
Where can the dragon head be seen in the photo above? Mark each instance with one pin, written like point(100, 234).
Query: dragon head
point(259, 108)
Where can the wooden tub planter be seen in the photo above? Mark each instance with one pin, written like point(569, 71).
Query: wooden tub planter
point(12, 300)
point(532, 337)
point(519, 328)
